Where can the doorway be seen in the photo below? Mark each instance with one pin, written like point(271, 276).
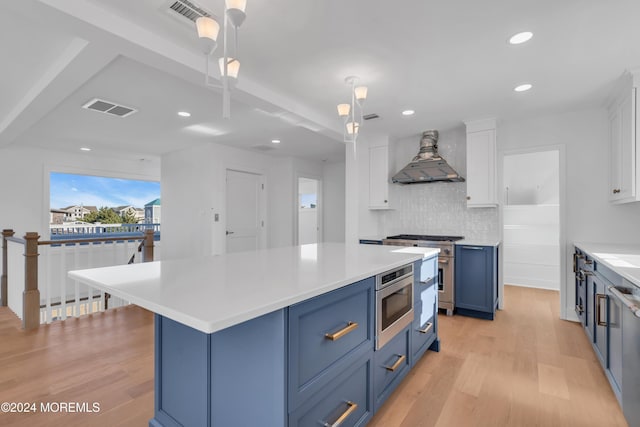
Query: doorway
point(245, 211)
point(308, 208)
point(532, 237)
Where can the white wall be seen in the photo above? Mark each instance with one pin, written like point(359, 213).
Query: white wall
point(589, 215)
point(24, 181)
point(333, 185)
point(193, 191)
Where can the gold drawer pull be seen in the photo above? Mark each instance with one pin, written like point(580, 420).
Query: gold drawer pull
point(342, 332)
point(427, 329)
point(401, 359)
point(352, 407)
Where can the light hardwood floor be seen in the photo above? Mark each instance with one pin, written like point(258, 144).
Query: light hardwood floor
point(526, 368)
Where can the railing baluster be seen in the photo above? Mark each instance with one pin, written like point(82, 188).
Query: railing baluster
point(76, 308)
point(62, 311)
point(48, 253)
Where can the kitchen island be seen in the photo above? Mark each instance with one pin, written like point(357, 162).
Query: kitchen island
point(235, 335)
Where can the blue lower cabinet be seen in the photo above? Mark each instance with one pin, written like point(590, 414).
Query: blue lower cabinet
point(390, 364)
point(211, 379)
point(346, 401)
point(423, 335)
point(325, 334)
point(476, 281)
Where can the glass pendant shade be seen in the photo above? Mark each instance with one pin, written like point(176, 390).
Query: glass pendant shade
point(233, 67)
point(236, 11)
point(343, 110)
point(352, 128)
point(208, 30)
point(361, 93)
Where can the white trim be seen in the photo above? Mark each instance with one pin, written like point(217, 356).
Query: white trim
point(564, 283)
point(296, 225)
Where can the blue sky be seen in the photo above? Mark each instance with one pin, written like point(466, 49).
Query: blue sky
point(69, 189)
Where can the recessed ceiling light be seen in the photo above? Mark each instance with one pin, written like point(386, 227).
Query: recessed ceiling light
point(521, 37)
point(408, 113)
point(523, 87)
point(85, 149)
point(275, 141)
point(184, 114)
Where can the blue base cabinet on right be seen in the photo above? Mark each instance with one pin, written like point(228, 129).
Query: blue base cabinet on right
point(476, 281)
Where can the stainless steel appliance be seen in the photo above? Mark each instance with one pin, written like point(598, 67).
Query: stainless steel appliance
point(428, 166)
point(624, 349)
point(446, 262)
point(394, 303)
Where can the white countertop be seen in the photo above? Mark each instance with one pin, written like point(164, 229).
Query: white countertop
point(425, 252)
point(623, 259)
point(479, 242)
point(213, 293)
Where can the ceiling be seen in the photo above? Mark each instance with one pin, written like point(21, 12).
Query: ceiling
point(448, 61)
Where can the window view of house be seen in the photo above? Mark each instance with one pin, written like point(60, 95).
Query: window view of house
point(89, 205)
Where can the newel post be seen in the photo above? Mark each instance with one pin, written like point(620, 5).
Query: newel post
point(147, 255)
point(31, 295)
point(5, 266)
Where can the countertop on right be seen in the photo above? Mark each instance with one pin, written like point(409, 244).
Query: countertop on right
point(623, 259)
point(479, 242)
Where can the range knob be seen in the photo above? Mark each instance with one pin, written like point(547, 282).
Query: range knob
point(447, 251)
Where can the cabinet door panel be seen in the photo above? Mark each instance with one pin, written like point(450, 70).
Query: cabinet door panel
point(474, 278)
point(379, 177)
point(481, 168)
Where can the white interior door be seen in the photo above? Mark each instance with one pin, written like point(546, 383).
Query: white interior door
point(244, 223)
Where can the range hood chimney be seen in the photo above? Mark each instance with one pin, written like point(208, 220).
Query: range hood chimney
point(427, 166)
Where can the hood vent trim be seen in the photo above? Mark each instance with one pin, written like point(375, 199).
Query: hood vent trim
point(427, 166)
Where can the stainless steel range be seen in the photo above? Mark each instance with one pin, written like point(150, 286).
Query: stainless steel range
point(446, 262)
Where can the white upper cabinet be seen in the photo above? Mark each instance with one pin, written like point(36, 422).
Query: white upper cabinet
point(481, 163)
point(624, 157)
point(379, 177)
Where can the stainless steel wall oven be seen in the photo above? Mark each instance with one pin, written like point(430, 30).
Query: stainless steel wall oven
point(394, 303)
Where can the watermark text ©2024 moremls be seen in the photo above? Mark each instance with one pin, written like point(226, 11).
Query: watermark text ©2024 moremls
point(50, 407)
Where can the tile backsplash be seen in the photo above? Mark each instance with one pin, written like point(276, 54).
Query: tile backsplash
point(438, 208)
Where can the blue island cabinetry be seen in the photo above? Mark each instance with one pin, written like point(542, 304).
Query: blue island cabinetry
point(312, 363)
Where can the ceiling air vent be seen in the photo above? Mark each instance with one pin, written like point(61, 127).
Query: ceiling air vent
point(108, 107)
point(370, 116)
point(186, 9)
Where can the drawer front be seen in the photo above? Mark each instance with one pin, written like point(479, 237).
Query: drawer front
point(324, 333)
point(423, 332)
point(425, 301)
point(347, 398)
point(391, 363)
point(428, 270)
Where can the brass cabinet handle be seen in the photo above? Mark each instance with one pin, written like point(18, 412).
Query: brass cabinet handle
point(427, 329)
point(401, 359)
point(352, 407)
point(342, 332)
point(616, 191)
point(599, 321)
